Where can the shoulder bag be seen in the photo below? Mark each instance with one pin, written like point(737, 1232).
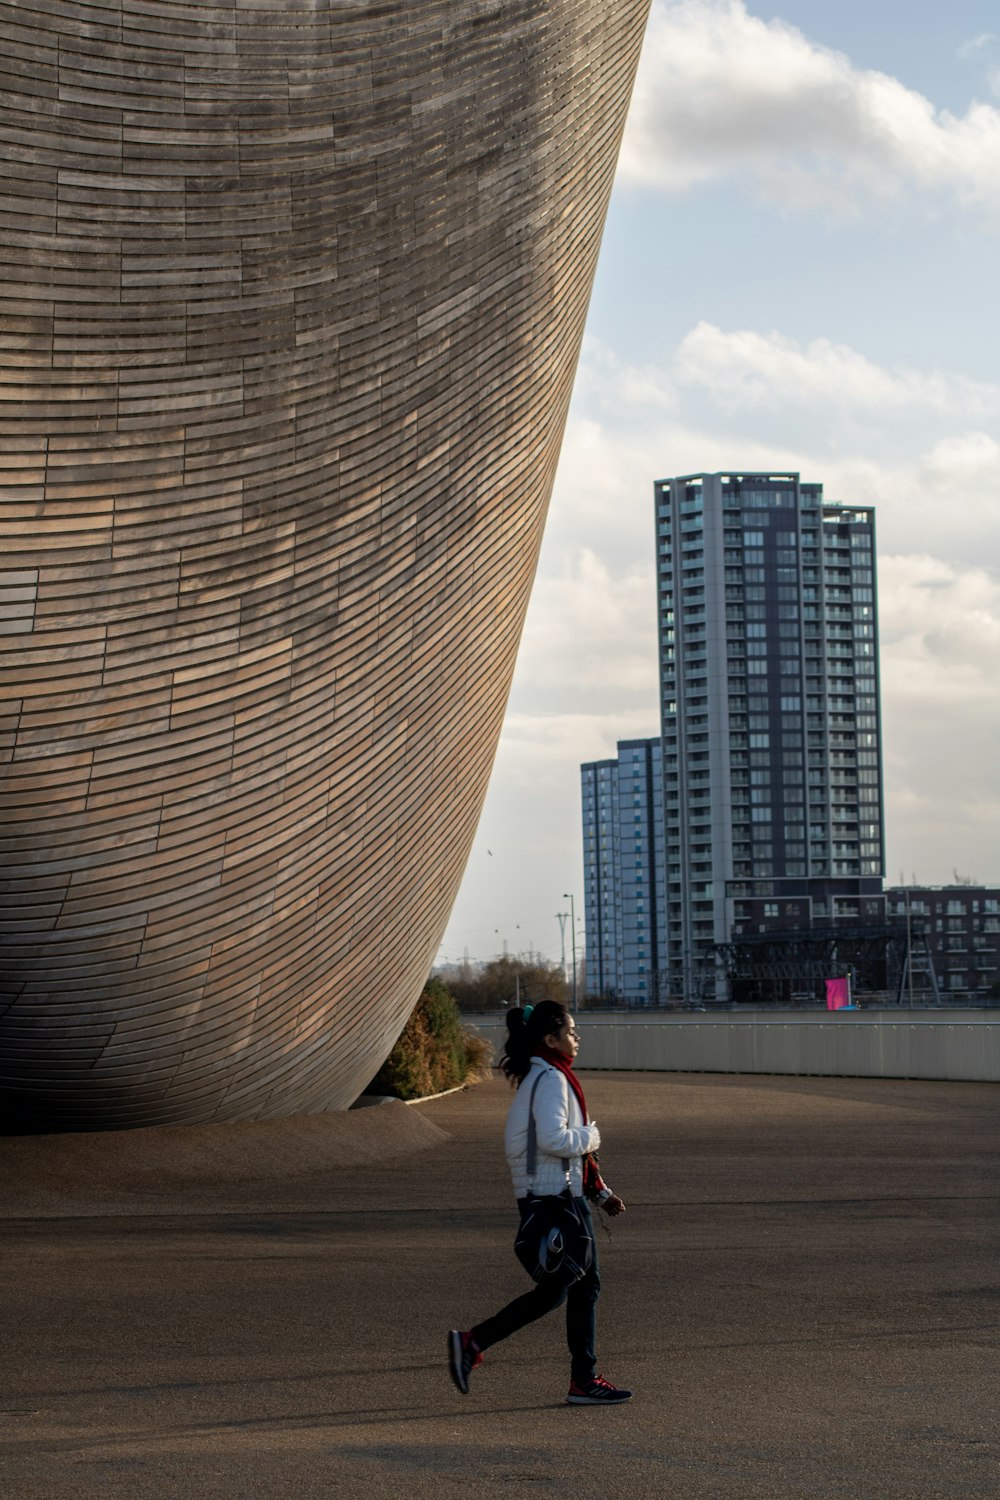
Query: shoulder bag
point(553, 1236)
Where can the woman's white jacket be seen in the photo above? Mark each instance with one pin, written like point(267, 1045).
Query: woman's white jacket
point(559, 1129)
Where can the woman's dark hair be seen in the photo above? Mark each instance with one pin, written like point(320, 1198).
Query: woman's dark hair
point(525, 1034)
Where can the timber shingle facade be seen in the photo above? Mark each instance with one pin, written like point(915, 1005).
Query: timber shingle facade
point(292, 302)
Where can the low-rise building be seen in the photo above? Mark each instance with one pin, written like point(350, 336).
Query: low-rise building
point(962, 926)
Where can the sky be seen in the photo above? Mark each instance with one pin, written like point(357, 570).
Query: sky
point(799, 272)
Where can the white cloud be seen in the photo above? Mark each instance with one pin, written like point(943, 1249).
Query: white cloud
point(940, 653)
point(749, 369)
point(917, 445)
point(721, 91)
point(593, 639)
point(969, 459)
point(940, 628)
point(977, 44)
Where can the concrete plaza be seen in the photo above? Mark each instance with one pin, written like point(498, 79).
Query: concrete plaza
point(804, 1294)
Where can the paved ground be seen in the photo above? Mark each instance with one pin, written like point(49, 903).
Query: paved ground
point(805, 1294)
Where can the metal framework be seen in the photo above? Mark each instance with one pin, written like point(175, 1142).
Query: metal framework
point(785, 963)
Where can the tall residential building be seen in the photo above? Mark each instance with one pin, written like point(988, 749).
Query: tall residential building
point(624, 895)
point(771, 738)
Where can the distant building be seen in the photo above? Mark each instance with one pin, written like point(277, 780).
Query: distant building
point(962, 928)
point(753, 827)
point(623, 874)
point(770, 711)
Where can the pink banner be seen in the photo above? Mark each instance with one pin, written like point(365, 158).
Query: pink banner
point(838, 994)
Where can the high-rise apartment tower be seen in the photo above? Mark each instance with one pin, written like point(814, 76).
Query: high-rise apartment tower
point(623, 873)
point(772, 786)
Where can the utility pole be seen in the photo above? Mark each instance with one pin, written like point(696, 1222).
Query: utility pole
point(568, 896)
point(561, 919)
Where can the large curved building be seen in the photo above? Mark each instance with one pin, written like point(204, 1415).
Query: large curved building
point(293, 297)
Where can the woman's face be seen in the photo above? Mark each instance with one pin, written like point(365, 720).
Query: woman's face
point(565, 1041)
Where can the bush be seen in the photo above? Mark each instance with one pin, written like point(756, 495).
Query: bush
point(435, 1052)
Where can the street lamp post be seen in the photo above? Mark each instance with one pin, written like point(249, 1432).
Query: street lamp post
point(568, 896)
point(561, 919)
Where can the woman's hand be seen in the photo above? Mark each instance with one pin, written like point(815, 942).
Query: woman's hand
point(613, 1206)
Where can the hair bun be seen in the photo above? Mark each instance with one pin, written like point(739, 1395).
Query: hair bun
point(515, 1018)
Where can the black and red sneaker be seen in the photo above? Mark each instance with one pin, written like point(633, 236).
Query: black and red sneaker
point(463, 1357)
point(596, 1392)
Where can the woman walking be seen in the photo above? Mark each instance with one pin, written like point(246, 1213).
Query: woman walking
point(542, 1042)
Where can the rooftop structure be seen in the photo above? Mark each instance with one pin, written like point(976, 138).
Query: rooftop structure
point(962, 928)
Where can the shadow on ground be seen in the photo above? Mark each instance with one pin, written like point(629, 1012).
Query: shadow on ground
point(804, 1293)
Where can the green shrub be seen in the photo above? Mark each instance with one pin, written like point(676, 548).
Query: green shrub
point(434, 1052)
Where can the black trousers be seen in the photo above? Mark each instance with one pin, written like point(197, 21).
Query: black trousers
point(545, 1296)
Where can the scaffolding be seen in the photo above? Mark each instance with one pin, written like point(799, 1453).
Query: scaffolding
point(891, 958)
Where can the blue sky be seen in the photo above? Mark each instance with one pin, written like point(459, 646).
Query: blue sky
point(798, 271)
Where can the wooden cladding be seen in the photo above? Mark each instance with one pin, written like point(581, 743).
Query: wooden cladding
point(292, 302)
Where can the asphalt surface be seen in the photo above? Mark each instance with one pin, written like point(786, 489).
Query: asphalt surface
point(804, 1294)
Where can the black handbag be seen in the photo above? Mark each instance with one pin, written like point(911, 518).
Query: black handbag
point(554, 1235)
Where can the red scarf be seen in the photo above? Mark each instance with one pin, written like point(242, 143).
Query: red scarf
point(566, 1068)
point(593, 1183)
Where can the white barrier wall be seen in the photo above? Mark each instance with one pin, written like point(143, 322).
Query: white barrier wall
point(872, 1044)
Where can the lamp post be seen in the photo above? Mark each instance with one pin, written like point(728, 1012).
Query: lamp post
point(561, 919)
point(568, 896)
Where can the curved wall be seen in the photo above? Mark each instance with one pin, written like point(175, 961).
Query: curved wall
point(293, 301)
